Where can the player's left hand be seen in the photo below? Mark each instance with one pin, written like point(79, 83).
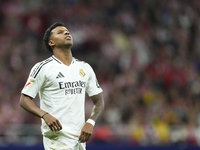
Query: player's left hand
point(86, 133)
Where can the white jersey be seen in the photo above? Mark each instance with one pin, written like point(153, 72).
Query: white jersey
point(62, 90)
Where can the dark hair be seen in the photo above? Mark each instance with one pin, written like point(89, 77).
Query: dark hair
point(48, 33)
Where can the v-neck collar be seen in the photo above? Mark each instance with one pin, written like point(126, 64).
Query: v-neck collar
point(56, 59)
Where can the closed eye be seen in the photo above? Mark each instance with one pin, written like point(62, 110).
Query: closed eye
point(60, 31)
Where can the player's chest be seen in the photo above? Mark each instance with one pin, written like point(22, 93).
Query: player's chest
point(68, 76)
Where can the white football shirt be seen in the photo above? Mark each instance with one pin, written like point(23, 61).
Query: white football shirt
point(62, 90)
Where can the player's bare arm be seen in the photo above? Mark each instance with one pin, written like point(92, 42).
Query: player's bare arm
point(87, 129)
point(98, 106)
point(27, 103)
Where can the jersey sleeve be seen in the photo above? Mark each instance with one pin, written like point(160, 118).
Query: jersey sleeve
point(34, 82)
point(93, 86)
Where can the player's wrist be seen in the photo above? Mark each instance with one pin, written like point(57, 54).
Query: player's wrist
point(44, 114)
point(92, 122)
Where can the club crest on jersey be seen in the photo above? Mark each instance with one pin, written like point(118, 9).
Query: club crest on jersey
point(81, 73)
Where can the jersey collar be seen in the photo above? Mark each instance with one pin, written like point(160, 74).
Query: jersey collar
point(56, 59)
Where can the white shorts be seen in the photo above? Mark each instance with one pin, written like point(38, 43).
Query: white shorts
point(61, 141)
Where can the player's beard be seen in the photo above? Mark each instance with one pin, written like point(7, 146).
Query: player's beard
point(68, 45)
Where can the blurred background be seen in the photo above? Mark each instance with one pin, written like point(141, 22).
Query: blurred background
point(145, 53)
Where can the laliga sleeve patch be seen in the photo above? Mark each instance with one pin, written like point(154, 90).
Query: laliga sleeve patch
point(31, 79)
point(27, 84)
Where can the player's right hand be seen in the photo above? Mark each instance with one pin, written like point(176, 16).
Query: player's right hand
point(53, 123)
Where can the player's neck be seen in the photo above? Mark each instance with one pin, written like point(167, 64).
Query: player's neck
point(65, 57)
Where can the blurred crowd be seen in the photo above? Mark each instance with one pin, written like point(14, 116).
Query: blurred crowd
point(145, 53)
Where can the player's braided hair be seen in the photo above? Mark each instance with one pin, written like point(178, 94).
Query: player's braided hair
point(48, 33)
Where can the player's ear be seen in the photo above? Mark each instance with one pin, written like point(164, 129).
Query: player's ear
point(51, 43)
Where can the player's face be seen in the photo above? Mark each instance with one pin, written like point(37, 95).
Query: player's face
point(61, 37)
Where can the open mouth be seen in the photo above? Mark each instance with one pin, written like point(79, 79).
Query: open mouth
point(68, 37)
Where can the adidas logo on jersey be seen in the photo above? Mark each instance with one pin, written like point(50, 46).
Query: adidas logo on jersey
point(60, 75)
